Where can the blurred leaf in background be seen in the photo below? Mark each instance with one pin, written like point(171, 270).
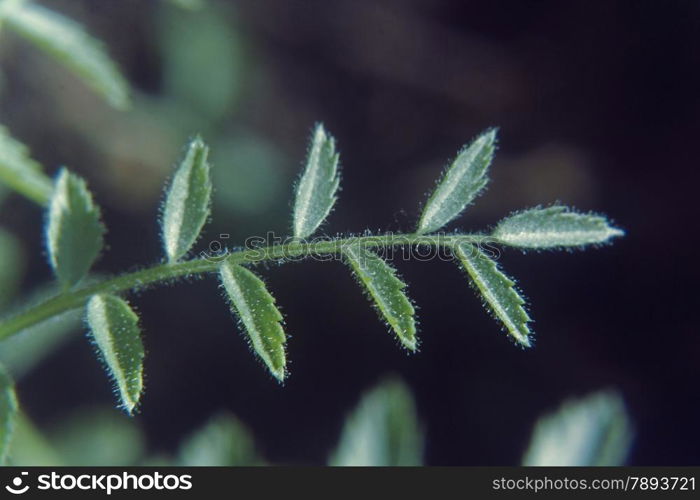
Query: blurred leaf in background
point(188, 4)
point(12, 265)
point(97, 437)
point(22, 352)
point(222, 441)
point(87, 437)
point(68, 43)
point(202, 59)
point(592, 431)
point(248, 174)
point(8, 413)
point(382, 431)
point(30, 447)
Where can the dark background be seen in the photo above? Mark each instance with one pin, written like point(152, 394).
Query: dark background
point(597, 107)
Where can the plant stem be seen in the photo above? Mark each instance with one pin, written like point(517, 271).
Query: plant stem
point(74, 299)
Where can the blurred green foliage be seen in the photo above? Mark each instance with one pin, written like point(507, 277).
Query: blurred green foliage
point(206, 68)
point(12, 265)
point(202, 57)
point(382, 431)
point(591, 431)
point(223, 440)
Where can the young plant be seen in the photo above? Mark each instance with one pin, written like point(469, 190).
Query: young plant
point(75, 235)
point(74, 238)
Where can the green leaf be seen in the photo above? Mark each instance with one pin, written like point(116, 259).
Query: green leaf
point(12, 266)
point(188, 201)
point(255, 308)
point(462, 182)
point(382, 431)
point(22, 353)
point(592, 431)
point(316, 191)
point(8, 413)
point(386, 290)
point(20, 172)
point(182, 37)
point(67, 42)
point(97, 437)
point(497, 290)
point(117, 335)
point(553, 227)
point(222, 441)
point(189, 4)
point(29, 447)
point(75, 233)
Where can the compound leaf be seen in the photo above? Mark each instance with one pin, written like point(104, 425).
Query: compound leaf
point(188, 201)
point(497, 290)
point(386, 290)
point(74, 233)
point(20, 172)
point(591, 431)
point(553, 227)
point(462, 182)
point(116, 333)
point(316, 191)
point(67, 42)
point(255, 308)
point(8, 413)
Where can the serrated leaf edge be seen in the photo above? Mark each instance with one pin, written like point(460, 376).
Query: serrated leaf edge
point(96, 310)
point(450, 181)
point(308, 183)
point(407, 338)
point(245, 314)
point(520, 332)
point(175, 204)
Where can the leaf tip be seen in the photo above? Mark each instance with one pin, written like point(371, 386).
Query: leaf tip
point(410, 343)
point(74, 230)
point(280, 373)
point(130, 406)
point(316, 190)
point(461, 182)
point(615, 232)
point(115, 332)
point(490, 135)
point(524, 340)
point(188, 201)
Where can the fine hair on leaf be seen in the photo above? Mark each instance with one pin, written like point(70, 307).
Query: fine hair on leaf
point(463, 180)
point(74, 236)
point(318, 185)
point(115, 331)
point(255, 308)
point(497, 290)
point(188, 201)
point(554, 227)
point(386, 291)
point(74, 232)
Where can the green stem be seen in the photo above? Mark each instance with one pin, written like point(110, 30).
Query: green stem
point(74, 299)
